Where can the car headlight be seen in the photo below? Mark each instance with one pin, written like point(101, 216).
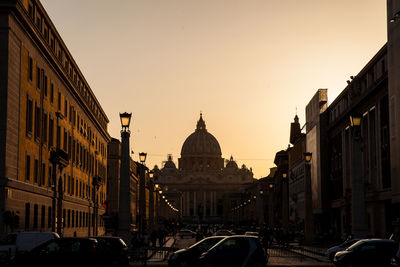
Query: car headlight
point(339, 257)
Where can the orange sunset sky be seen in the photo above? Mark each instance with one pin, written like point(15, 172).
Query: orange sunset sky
point(248, 65)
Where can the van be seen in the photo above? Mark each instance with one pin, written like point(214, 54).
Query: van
point(21, 242)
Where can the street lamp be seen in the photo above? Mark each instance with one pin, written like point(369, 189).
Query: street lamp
point(285, 201)
point(124, 210)
point(359, 226)
point(308, 157)
point(125, 120)
point(142, 157)
point(142, 192)
point(355, 121)
point(152, 191)
point(308, 223)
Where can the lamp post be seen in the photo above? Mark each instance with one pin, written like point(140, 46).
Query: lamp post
point(308, 220)
point(124, 212)
point(285, 201)
point(142, 193)
point(359, 226)
point(151, 199)
point(271, 205)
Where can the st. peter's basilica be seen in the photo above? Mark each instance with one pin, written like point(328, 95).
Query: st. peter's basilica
point(203, 188)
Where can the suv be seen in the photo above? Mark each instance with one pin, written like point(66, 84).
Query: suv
point(21, 242)
point(367, 252)
point(238, 250)
point(187, 257)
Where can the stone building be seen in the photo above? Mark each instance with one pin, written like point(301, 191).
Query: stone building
point(46, 105)
point(367, 96)
point(114, 188)
point(296, 171)
point(205, 190)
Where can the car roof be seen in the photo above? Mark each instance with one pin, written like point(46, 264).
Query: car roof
point(105, 237)
point(377, 240)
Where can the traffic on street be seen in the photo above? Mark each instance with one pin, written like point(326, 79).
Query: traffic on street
point(253, 248)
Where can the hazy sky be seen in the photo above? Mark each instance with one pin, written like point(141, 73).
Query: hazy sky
point(247, 65)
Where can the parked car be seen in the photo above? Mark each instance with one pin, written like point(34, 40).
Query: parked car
point(186, 232)
point(330, 253)
point(224, 232)
point(187, 257)
point(367, 252)
point(251, 234)
point(22, 242)
point(112, 251)
point(62, 252)
point(235, 251)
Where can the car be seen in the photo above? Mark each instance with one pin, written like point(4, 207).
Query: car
point(330, 253)
point(186, 232)
point(224, 232)
point(367, 252)
point(187, 257)
point(251, 234)
point(21, 242)
point(238, 250)
point(61, 252)
point(112, 251)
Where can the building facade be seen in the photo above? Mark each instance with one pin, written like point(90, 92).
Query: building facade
point(204, 187)
point(114, 190)
point(47, 105)
point(367, 96)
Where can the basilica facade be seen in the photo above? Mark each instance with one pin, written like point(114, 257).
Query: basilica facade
point(204, 187)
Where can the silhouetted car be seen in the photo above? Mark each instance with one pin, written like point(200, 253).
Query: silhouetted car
point(330, 253)
point(235, 251)
point(21, 242)
point(252, 234)
point(367, 252)
point(112, 251)
point(61, 252)
point(186, 232)
point(187, 257)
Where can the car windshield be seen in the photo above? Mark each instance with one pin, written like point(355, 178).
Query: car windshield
point(348, 243)
point(206, 244)
point(355, 246)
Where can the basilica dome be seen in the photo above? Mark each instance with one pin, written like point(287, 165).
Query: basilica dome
point(201, 143)
point(201, 151)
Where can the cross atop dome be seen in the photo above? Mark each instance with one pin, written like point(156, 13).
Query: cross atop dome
point(201, 125)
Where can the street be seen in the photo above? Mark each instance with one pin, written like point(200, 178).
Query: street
point(277, 256)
